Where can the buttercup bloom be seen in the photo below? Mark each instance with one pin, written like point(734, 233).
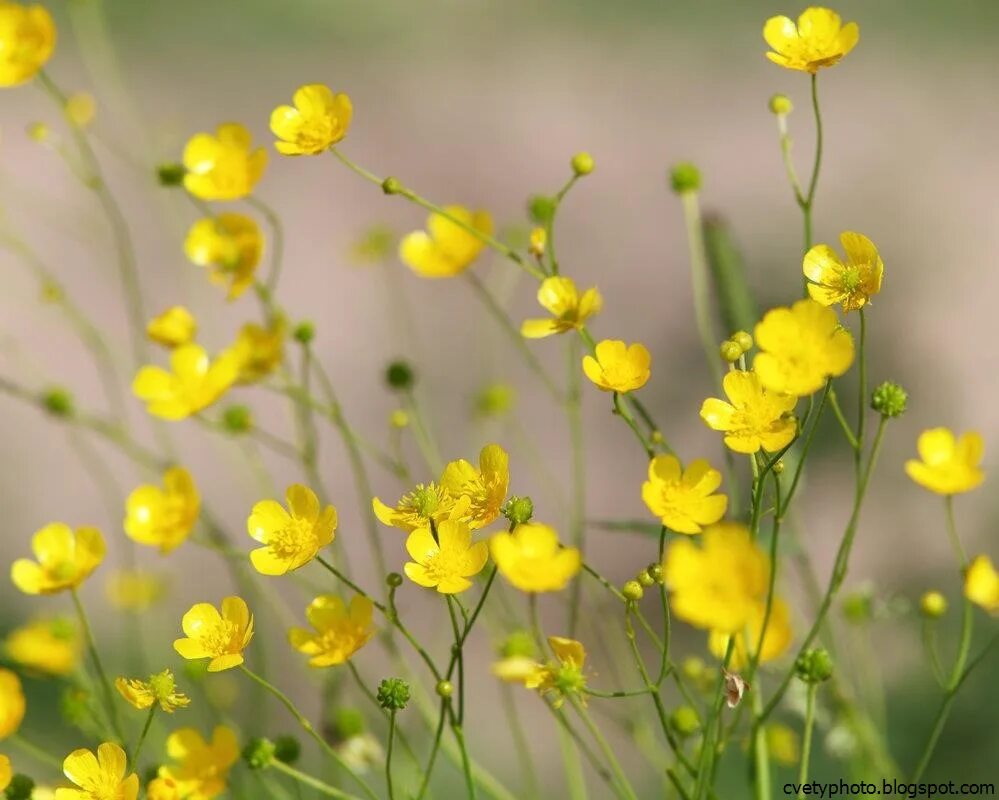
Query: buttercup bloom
point(134, 590)
point(482, 490)
point(563, 677)
point(12, 703)
point(802, 346)
point(229, 246)
point(775, 642)
point(754, 418)
point(100, 776)
point(65, 559)
point(851, 284)
point(6, 773)
point(259, 351)
point(820, 39)
point(569, 308)
point(51, 647)
point(445, 248)
point(223, 165)
point(163, 789)
point(318, 120)
point(220, 637)
point(981, 584)
point(164, 517)
point(949, 465)
point(338, 633)
point(172, 328)
point(425, 504)
point(201, 769)
point(684, 499)
point(532, 560)
point(447, 563)
point(193, 383)
point(160, 689)
point(291, 538)
point(27, 39)
point(617, 367)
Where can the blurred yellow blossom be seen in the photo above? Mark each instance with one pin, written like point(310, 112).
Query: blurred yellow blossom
point(161, 689)
point(820, 39)
point(174, 327)
point(65, 559)
point(425, 504)
point(684, 499)
point(981, 584)
point(754, 418)
point(291, 538)
point(222, 637)
point(100, 776)
point(80, 109)
point(12, 703)
point(447, 562)
point(223, 165)
point(200, 768)
point(375, 245)
point(164, 517)
point(851, 284)
point(318, 120)
point(949, 465)
point(562, 676)
point(445, 248)
point(49, 646)
point(783, 744)
point(258, 350)
point(482, 491)
point(532, 559)
point(163, 789)
point(229, 246)
point(537, 242)
point(339, 630)
point(134, 590)
point(6, 773)
point(569, 309)
point(616, 367)
point(27, 39)
point(775, 642)
point(193, 382)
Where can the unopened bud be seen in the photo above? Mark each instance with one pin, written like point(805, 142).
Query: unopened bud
point(392, 186)
point(781, 105)
point(685, 178)
point(743, 339)
point(730, 351)
point(633, 591)
point(889, 400)
point(814, 666)
point(582, 164)
point(933, 605)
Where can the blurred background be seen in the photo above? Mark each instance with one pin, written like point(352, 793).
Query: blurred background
point(483, 103)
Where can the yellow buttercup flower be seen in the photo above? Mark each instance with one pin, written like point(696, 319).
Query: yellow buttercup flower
point(754, 418)
point(258, 350)
point(445, 248)
point(12, 704)
point(562, 676)
point(318, 120)
point(222, 637)
point(802, 346)
point(161, 689)
point(949, 465)
point(447, 562)
point(193, 382)
point(684, 499)
point(482, 490)
point(532, 560)
point(851, 284)
point(229, 246)
point(719, 585)
point(164, 517)
point(425, 504)
point(6, 773)
point(981, 584)
point(134, 590)
point(569, 308)
point(820, 39)
point(339, 631)
point(174, 327)
point(775, 642)
point(100, 776)
point(27, 39)
point(48, 646)
point(163, 789)
point(617, 367)
point(223, 165)
point(291, 538)
point(201, 769)
point(65, 559)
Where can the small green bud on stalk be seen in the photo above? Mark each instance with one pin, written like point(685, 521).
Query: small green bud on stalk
point(444, 688)
point(400, 376)
point(656, 572)
point(393, 694)
point(518, 510)
point(582, 164)
point(814, 666)
point(540, 208)
point(237, 419)
point(780, 105)
point(304, 332)
point(58, 402)
point(645, 579)
point(633, 591)
point(170, 174)
point(933, 605)
point(684, 721)
point(394, 579)
point(685, 177)
point(743, 339)
point(259, 753)
point(730, 351)
point(392, 186)
point(889, 400)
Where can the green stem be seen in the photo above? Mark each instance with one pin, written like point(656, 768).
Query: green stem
point(624, 788)
point(862, 390)
point(841, 418)
point(955, 540)
point(577, 517)
point(525, 760)
point(142, 736)
point(308, 780)
point(806, 745)
point(761, 754)
point(434, 749)
point(623, 413)
point(277, 241)
point(388, 754)
point(700, 282)
point(816, 167)
point(102, 677)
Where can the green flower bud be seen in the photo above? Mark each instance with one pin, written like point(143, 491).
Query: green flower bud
point(259, 753)
point(392, 186)
point(684, 721)
point(495, 400)
point(237, 419)
point(743, 339)
point(518, 644)
point(656, 572)
point(394, 579)
point(633, 591)
point(645, 579)
point(21, 787)
point(781, 105)
point(74, 705)
point(58, 402)
point(540, 208)
point(858, 607)
point(889, 400)
point(814, 666)
point(730, 351)
point(582, 164)
point(444, 688)
point(933, 605)
point(400, 376)
point(778, 468)
point(304, 332)
point(287, 749)
point(393, 694)
point(171, 174)
point(347, 723)
point(685, 177)
point(518, 510)
point(656, 437)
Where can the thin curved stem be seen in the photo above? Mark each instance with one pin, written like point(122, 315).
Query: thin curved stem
point(102, 676)
point(806, 745)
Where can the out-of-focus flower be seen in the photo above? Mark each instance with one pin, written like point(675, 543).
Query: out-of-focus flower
point(80, 109)
point(754, 418)
point(12, 704)
point(222, 637)
point(290, 538)
point(174, 327)
point(338, 631)
point(820, 39)
point(775, 642)
point(200, 768)
point(223, 165)
point(229, 246)
point(532, 559)
point(193, 382)
point(163, 789)
point(616, 367)
point(161, 689)
point(445, 248)
point(949, 465)
point(562, 676)
point(318, 120)
point(361, 752)
point(851, 284)
point(6, 773)
point(482, 490)
point(981, 584)
point(783, 744)
point(65, 559)
point(27, 39)
point(569, 308)
point(258, 350)
point(164, 517)
point(447, 562)
point(100, 776)
point(684, 499)
point(134, 590)
point(48, 646)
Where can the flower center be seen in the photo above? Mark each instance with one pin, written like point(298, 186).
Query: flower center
point(292, 539)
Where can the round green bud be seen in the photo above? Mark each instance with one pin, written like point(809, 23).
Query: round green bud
point(237, 419)
point(743, 339)
point(814, 666)
point(780, 104)
point(444, 688)
point(259, 753)
point(730, 351)
point(645, 579)
point(540, 208)
point(393, 694)
point(287, 749)
point(347, 723)
point(394, 579)
point(74, 705)
point(685, 177)
point(656, 437)
point(582, 164)
point(684, 721)
point(933, 605)
point(518, 510)
point(858, 607)
point(21, 787)
point(399, 376)
point(495, 400)
point(58, 402)
point(304, 332)
point(171, 174)
point(889, 399)
point(656, 572)
point(778, 468)
point(392, 186)
point(693, 668)
point(519, 644)
point(633, 591)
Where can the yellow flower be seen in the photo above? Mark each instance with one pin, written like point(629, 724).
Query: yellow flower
point(50, 646)
point(163, 789)
point(134, 590)
point(318, 121)
point(754, 418)
point(100, 776)
point(65, 559)
point(783, 745)
point(981, 584)
point(801, 347)
point(617, 367)
point(775, 642)
point(160, 688)
point(684, 499)
point(719, 585)
point(820, 39)
point(949, 465)
point(80, 109)
point(568, 308)
point(532, 560)
point(483, 490)
point(229, 246)
point(220, 637)
point(417, 509)
point(339, 631)
point(27, 39)
point(562, 677)
point(852, 284)
point(6, 773)
point(193, 383)
point(291, 538)
point(259, 351)
point(447, 562)
point(172, 328)
point(202, 769)
point(445, 248)
point(12, 704)
point(223, 166)
point(164, 517)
